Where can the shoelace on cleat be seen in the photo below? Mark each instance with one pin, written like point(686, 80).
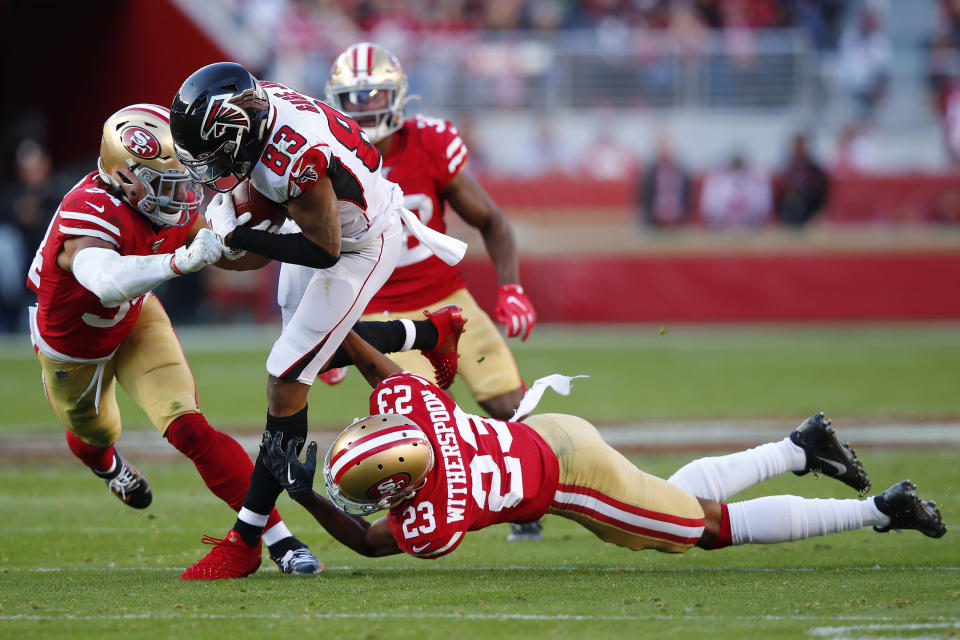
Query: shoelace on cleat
point(124, 482)
point(206, 539)
point(290, 558)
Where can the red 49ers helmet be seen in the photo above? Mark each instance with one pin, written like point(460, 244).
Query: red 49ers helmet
point(138, 162)
point(377, 462)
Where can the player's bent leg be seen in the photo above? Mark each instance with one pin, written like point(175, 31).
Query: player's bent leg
point(83, 396)
point(607, 494)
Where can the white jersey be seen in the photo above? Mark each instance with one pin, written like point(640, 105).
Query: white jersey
point(309, 139)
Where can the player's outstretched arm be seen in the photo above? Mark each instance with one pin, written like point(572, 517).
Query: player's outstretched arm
point(116, 278)
point(514, 309)
point(373, 365)
point(371, 540)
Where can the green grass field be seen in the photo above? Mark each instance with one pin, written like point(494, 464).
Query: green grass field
point(75, 563)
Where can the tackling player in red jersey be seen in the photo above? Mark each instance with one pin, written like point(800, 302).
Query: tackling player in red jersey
point(427, 158)
point(441, 473)
point(120, 232)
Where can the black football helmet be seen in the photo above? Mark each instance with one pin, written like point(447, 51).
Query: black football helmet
point(220, 119)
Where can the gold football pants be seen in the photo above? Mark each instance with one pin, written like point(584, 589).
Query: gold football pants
point(607, 494)
point(149, 365)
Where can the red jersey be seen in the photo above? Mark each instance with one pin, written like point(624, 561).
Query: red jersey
point(70, 321)
point(427, 153)
point(485, 472)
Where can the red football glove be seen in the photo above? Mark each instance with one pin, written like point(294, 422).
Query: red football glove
point(515, 311)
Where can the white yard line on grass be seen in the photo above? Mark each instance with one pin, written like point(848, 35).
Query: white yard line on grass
point(858, 631)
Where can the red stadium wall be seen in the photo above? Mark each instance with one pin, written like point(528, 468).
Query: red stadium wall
point(853, 198)
point(804, 284)
point(726, 288)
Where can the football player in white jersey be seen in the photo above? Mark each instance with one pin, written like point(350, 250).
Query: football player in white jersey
point(227, 127)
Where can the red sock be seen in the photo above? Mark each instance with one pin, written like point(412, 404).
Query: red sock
point(724, 537)
point(100, 459)
point(223, 464)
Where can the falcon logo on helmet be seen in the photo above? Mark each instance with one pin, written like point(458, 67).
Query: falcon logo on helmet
point(220, 120)
point(222, 115)
point(376, 463)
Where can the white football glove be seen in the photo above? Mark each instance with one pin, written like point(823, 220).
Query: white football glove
point(222, 216)
point(205, 249)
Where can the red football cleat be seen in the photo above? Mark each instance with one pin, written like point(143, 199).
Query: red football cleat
point(449, 323)
point(334, 376)
point(229, 558)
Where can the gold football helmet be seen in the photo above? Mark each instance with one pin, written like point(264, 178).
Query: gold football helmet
point(138, 161)
point(368, 84)
point(376, 462)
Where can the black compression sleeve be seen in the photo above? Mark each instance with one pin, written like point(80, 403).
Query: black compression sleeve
point(294, 248)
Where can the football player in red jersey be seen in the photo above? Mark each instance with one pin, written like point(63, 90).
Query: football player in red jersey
point(427, 158)
point(120, 232)
point(441, 472)
point(342, 243)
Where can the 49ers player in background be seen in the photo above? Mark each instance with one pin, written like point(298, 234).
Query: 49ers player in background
point(120, 232)
point(427, 158)
point(227, 126)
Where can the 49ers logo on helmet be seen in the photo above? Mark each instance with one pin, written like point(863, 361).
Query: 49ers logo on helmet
point(389, 486)
point(222, 115)
point(140, 142)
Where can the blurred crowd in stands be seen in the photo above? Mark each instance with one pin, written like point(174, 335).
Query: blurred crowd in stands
point(820, 19)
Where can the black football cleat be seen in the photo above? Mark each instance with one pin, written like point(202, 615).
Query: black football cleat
point(128, 484)
point(908, 511)
point(827, 455)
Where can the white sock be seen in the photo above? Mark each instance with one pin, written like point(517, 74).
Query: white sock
point(252, 518)
point(411, 330)
point(276, 533)
point(719, 477)
point(786, 518)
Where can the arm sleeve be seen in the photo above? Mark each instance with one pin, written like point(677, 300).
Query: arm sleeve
point(294, 248)
point(115, 278)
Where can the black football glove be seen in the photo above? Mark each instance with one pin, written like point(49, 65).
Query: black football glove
point(294, 476)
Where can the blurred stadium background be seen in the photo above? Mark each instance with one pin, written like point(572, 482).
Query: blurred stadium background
point(685, 169)
point(661, 160)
